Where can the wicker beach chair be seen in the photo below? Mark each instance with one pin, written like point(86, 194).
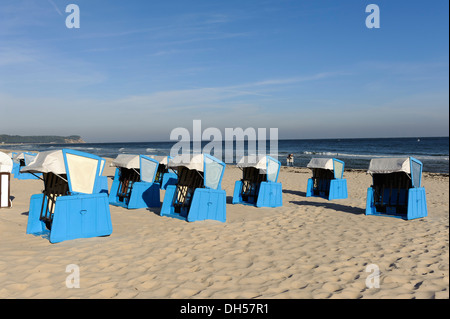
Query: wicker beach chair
point(258, 185)
point(197, 194)
point(327, 180)
point(69, 206)
point(396, 189)
point(134, 184)
point(21, 160)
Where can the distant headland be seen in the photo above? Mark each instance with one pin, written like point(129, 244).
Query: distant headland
point(47, 139)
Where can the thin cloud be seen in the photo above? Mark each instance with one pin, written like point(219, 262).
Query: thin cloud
point(284, 81)
point(56, 8)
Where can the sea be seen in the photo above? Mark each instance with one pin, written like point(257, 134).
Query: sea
point(356, 153)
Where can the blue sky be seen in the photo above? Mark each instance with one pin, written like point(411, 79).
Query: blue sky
point(135, 70)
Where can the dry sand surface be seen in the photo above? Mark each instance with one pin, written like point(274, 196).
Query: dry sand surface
point(309, 248)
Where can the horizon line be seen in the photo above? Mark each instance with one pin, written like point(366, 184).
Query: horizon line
point(280, 139)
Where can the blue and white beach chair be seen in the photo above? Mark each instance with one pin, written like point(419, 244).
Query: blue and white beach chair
point(134, 184)
point(6, 166)
point(258, 185)
point(21, 160)
point(197, 194)
point(327, 181)
point(396, 189)
point(69, 206)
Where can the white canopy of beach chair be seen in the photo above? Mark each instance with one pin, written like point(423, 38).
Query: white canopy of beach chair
point(332, 164)
point(259, 162)
point(265, 165)
point(6, 163)
point(389, 165)
point(83, 170)
point(195, 162)
point(126, 161)
point(47, 162)
point(211, 167)
point(325, 163)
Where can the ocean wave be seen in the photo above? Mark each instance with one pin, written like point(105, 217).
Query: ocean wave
point(319, 153)
point(418, 156)
point(83, 148)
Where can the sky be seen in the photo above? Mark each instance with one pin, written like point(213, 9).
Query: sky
point(135, 70)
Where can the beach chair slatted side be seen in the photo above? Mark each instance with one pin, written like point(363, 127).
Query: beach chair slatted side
point(126, 179)
point(391, 193)
point(54, 186)
point(250, 183)
point(188, 181)
point(390, 186)
point(321, 181)
point(404, 184)
point(379, 193)
point(160, 173)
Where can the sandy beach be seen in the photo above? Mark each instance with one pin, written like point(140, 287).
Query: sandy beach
point(309, 248)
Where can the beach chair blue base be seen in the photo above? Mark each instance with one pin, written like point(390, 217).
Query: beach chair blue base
point(416, 205)
point(269, 195)
point(75, 216)
point(206, 204)
point(329, 189)
point(169, 179)
point(143, 195)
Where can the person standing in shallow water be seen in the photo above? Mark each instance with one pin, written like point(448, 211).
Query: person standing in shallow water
point(290, 160)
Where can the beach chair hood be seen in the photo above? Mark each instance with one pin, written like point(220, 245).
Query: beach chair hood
point(259, 162)
point(265, 164)
point(146, 165)
point(389, 165)
point(47, 162)
point(82, 169)
point(408, 165)
point(6, 163)
point(331, 164)
point(211, 167)
point(126, 161)
point(325, 163)
point(195, 162)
